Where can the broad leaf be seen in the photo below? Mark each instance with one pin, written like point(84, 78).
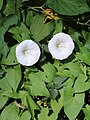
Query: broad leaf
point(10, 7)
point(28, 102)
point(10, 112)
point(3, 99)
point(13, 77)
point(26, 115)
point(44, 115)
point(10, 20)
point(49, 72)
point(81, 85)
point(72, 105)
point(70, 69)
point(37, 85)
point(68, 7)
point(39, 29)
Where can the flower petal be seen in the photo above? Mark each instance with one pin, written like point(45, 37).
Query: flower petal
point(61, 46)
point(27, 53)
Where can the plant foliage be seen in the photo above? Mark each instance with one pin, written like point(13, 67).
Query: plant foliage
point(51, 89)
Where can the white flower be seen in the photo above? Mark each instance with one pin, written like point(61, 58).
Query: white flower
point(61, 46)
point(27, 53)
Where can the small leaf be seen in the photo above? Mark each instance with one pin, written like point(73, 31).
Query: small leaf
point(58, 26)
point(83, 55)
point(57, 105)
point(11, 57)
point(80, 84)
point(29, 18)
point(3, 99)
point(1, 4)
point(86, 111)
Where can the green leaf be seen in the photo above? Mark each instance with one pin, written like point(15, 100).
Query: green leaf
point(80, 84)
point(28, 101)
point(10, 8)
point(3, 99)
point(29, 18)
point(68, 7)
point(4, 85)
point(86, 36)
point(10, 112)
point(44, 114)
point(86, 111)
point(1, 4)
point(11, 58)
point(75, 37)
point(49, 72)
point(37, 85)
point(3, 48)
point(58, 81)
point(53, 93)
point(24, 28)
point(39, 29)
point(26, 115)
point(57, 105)
point(20, 32)
point(83, 55)
point(13, 77)
point(72, 105)
point(70, 69)
point(58, 26)
point(10, 20)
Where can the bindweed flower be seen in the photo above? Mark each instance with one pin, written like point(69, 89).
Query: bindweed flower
point(27, 53)
point(61, 46)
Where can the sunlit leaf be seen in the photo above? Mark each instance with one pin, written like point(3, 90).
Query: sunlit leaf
point(72, 105)
point(37, 85)
point(87, 112)
point(3, 99)
point(81, 85)
point(11, 111)
point(25, 115)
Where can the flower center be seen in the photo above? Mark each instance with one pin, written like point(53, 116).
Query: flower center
point(25, 52)
point(58, 45)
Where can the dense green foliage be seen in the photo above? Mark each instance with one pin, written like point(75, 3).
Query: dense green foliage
point(51, 89)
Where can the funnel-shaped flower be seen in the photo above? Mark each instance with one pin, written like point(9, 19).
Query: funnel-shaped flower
point(27, 53)
point(61, 46)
